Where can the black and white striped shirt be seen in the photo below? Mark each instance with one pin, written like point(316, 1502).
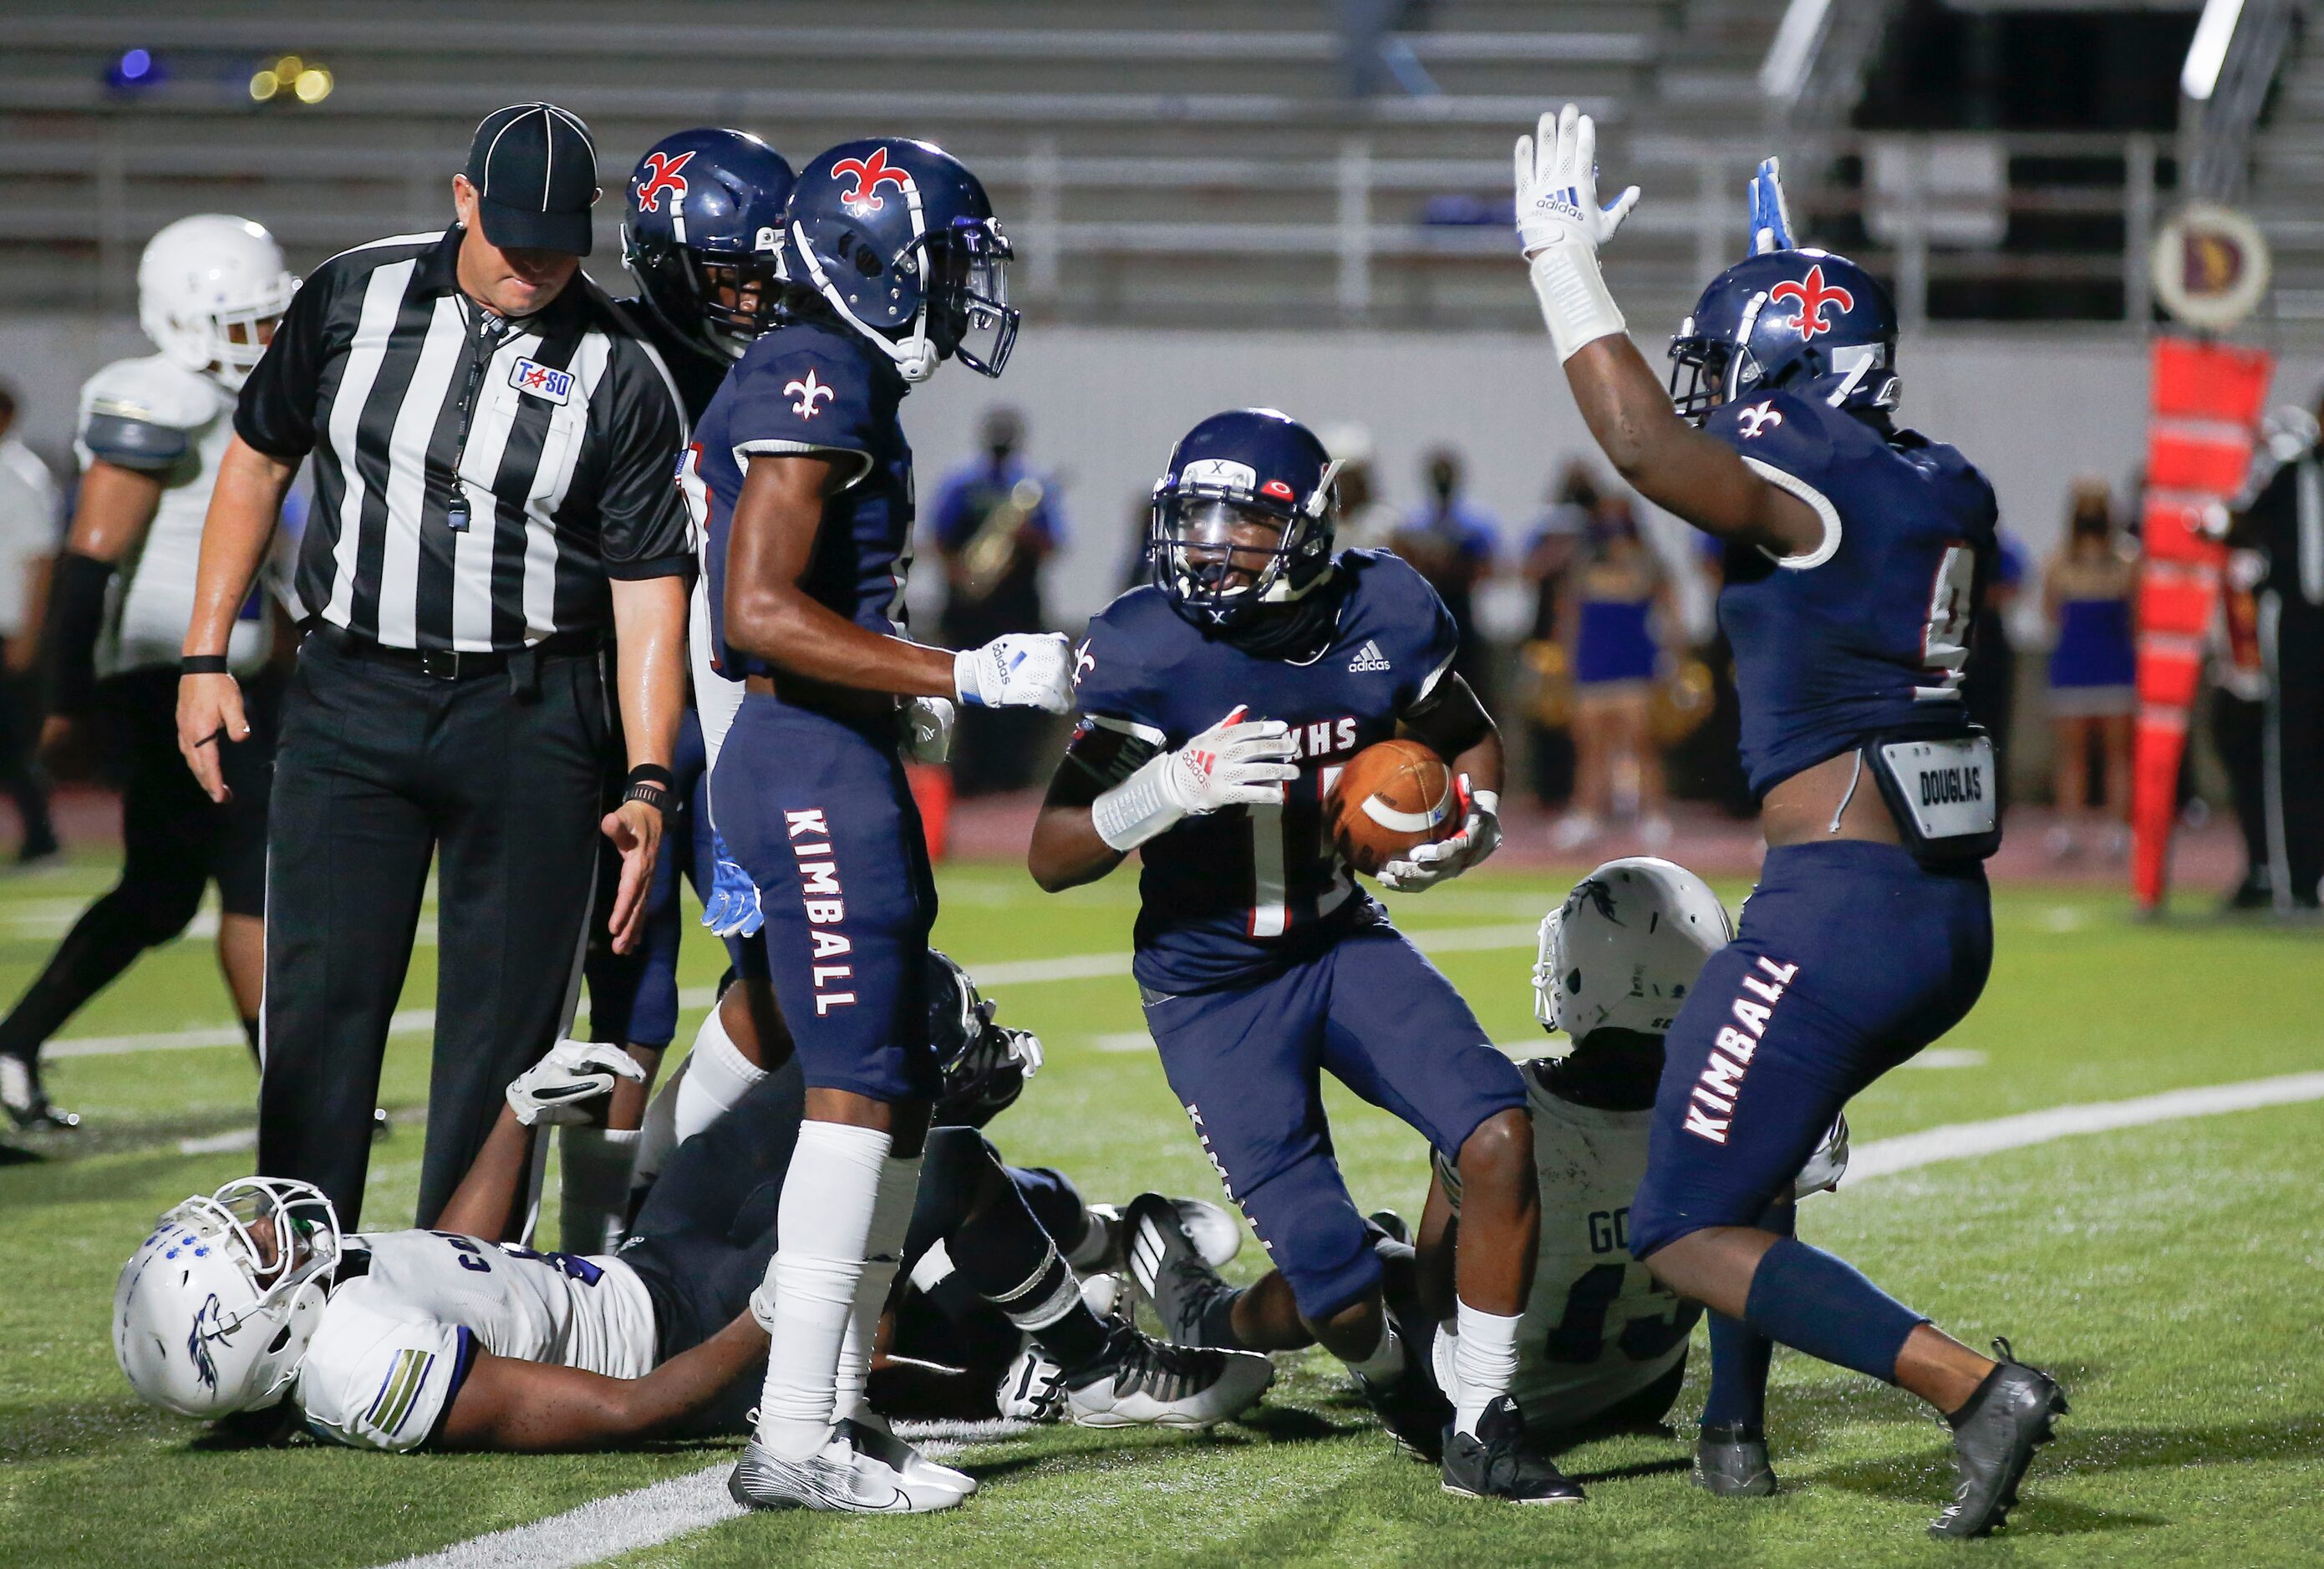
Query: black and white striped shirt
point(555, 433)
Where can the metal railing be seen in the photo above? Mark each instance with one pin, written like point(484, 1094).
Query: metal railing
point(1355, 213)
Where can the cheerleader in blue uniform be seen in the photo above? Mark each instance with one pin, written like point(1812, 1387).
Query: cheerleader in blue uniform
point(1620, 596)
point(2087, 591)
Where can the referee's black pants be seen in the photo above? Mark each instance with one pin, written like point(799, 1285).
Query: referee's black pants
point(378, 766)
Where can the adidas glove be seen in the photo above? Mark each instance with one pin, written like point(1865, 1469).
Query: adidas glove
point(1231, 764)
point(1018, 670)
point(1561, 226)
point(557, 1088)
point(1431, 864)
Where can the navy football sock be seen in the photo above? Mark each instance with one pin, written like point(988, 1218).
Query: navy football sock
point(1813, 1302)
point(1218, 1320)
point(1739, 1356)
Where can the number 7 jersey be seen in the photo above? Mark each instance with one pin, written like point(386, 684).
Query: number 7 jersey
point(1228, 898)
point(1869, 631)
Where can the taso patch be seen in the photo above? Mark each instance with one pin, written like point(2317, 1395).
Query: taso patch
point(546, 383)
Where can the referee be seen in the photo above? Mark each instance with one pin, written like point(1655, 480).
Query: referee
point(493, 444)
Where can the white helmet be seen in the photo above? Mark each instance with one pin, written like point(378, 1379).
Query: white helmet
point(1623, 950)
point(213, 1313)
point(206, 287)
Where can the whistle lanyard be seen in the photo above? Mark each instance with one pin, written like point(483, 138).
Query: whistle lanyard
point(483, 344)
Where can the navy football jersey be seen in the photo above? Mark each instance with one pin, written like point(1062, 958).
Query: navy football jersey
point(807, 386)
point(1870, 630)
point(1228, 896)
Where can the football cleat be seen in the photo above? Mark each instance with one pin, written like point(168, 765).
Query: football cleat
point(25, 1102)
point(871, 1433)
point(1409, 1406)
point(1168, 1266)
point(1144, 1382)
point(846, 1476)
point(2013, 1413)
point(1497, 1462)
point(1731, 1461)
point(1213, 1230)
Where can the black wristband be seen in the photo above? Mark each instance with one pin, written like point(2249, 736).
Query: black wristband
point(652, 774)
point(203, 664)
point(652, 795)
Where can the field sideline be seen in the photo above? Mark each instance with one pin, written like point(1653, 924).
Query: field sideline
point(2166, 1271)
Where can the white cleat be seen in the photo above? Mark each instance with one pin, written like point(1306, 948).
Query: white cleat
point(1150, 1383)
point(848, 1476)
point(1213, 1230)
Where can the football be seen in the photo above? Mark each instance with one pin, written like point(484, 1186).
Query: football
point(1389, 798)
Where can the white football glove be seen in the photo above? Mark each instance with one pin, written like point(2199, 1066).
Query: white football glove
point(1234, 762)
point(1033, 1390)
point(927, 724)
point(1431, 864)
point(1018, 670)
point(1561, 226)
point(1025, 1050)
point(557, 1088)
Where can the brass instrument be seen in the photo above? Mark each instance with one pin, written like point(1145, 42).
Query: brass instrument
point(1682, 701)
point(993, 550)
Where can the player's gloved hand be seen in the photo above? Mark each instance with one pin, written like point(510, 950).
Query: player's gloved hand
point(1033, 1390)
point(1561, 226)
point(1234, 762)
point(1018, 670)
point(927, 724)
point(1431, 864)
point(1024, 1050)
point(732, 909)
point(557, 1088)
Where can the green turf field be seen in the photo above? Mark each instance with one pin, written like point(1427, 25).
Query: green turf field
point(2169, 1274)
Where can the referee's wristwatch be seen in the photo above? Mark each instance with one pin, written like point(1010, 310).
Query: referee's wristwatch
point(653, 784)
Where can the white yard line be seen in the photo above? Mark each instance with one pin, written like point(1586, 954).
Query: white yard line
point(649, 1516)
point(1021, 972)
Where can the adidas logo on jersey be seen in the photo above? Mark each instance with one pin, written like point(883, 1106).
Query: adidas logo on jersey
point(1369, 658)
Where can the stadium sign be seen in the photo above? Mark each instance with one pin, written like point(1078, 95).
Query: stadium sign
point(2210, 266)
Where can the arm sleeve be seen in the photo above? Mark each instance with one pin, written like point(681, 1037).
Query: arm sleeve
point(643, 528)
point(801, 400)
point(276, 410)
point(374, 1380)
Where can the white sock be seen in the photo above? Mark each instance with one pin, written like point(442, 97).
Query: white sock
point(822, 1221)
point(883, 1252)
point(594, 1183)
point(658, 1133)
point(1485, 1362)
point(1386, 1359)
point(718, 1074)
point(1097, 1241)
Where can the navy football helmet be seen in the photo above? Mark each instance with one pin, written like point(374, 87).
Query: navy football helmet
point(899, 238)
point(984, 1068)
point(702, 234)
point(1783, 318)
point(1242, 519)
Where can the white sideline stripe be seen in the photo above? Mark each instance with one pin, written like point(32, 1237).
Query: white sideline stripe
point(1965, 1140)
point(649, 1516)
point(1010, 973)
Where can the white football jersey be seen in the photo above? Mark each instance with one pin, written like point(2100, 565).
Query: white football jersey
point(396, 1340)
point(1597, 1329)
point(152, 600)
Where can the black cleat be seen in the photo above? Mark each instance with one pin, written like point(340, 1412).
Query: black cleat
point(1730, 1460)
point(1168, 1268)
point(2012, 1414)
point(1498, 1462)
point(1410, 1406)
point(25, 1102)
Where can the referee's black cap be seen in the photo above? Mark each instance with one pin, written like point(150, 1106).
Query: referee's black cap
point(535, 170)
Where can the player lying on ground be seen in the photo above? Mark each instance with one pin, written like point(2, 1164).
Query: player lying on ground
point(1602, 1348)
point(453, 1339)
point(1219, 703)
point(1855, 551)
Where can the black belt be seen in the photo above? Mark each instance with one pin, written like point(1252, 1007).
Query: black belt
point(453, 663)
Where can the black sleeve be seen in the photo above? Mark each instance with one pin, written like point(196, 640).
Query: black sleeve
point(76, 586)
point(643, 529)
point(276, 411)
